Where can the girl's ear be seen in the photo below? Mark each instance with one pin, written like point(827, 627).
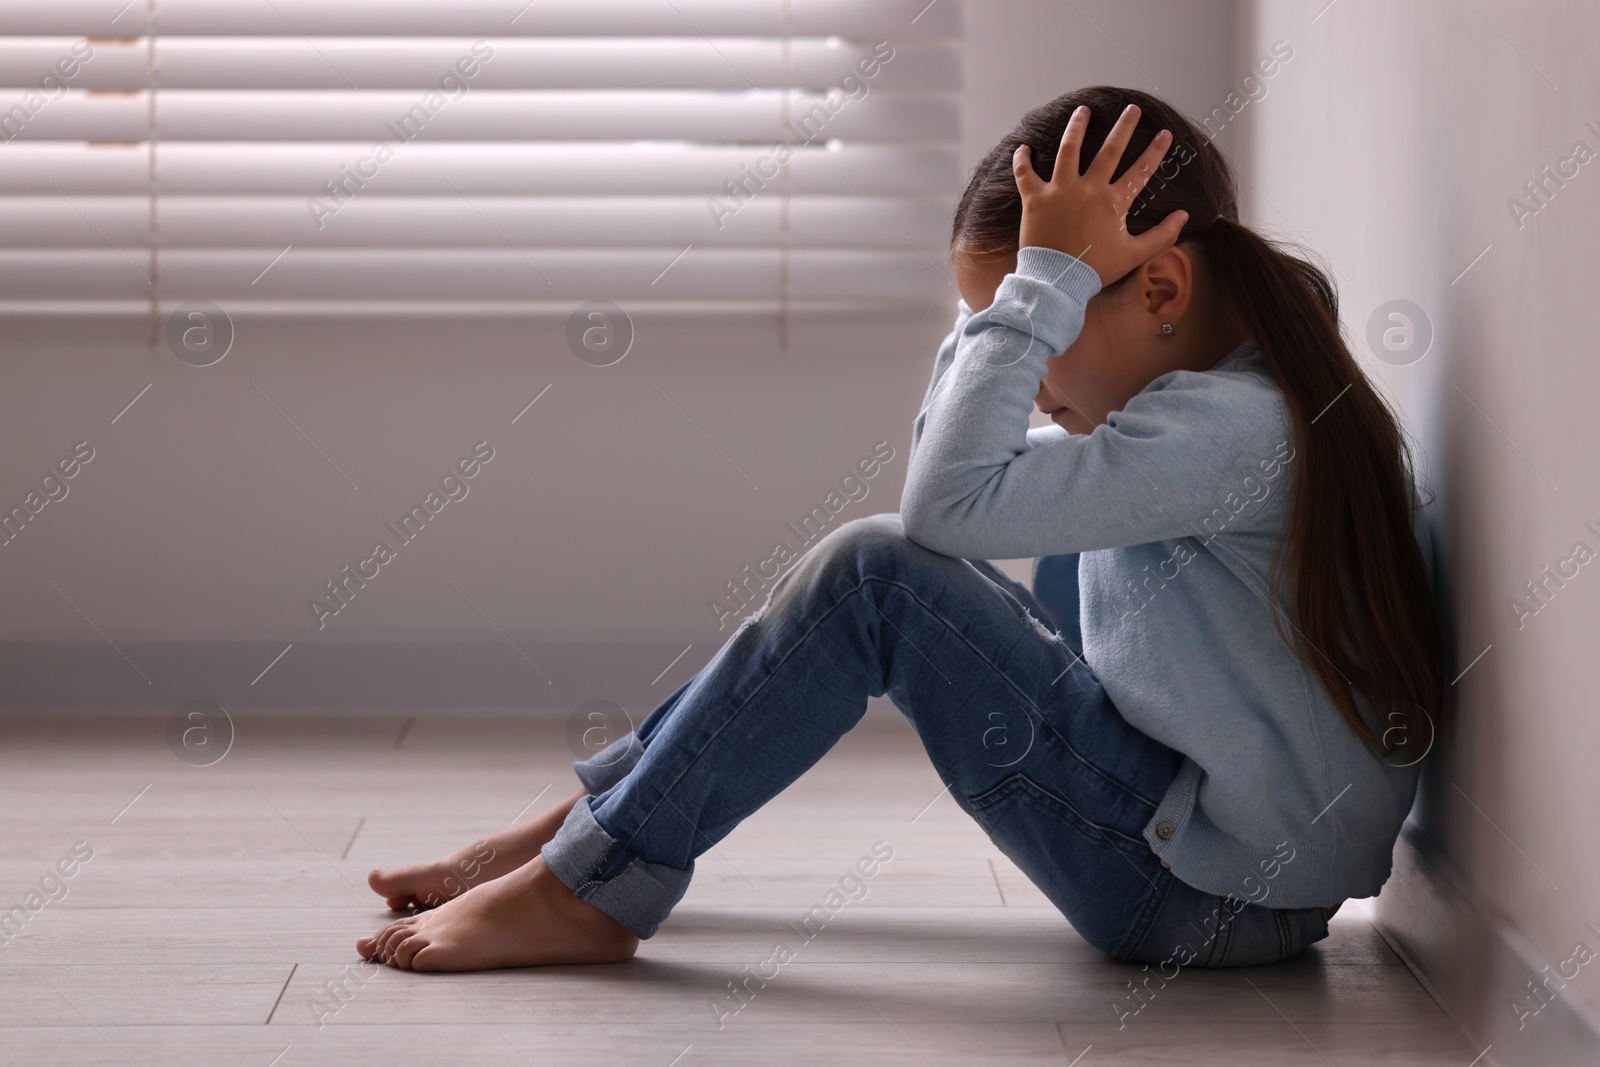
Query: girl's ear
point(1167, 285)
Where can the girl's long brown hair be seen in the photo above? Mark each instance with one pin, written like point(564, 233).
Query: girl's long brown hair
point(1363, 609)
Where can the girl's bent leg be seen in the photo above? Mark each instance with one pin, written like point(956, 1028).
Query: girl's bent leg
point(1015, 722)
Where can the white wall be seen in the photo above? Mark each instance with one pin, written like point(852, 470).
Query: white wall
point(1023, 53)
point(605, 514)
point(1392, 144)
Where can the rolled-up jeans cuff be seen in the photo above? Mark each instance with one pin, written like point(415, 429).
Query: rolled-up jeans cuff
point(598, 869)
point(610, 765)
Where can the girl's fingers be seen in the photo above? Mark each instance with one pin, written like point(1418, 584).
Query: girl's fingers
point(1028, 181)
point(1071, 149)
point(1160, 237)
point(1138, 176)
point(1105, 161)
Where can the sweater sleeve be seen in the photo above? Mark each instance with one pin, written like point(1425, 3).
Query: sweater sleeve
point(979, 485)
point(941, 364)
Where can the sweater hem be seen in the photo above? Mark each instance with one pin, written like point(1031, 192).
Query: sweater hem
point(1286, 875)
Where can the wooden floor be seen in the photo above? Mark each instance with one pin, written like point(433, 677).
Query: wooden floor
point(220, 903)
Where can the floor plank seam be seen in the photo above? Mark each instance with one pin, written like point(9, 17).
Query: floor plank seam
point(998, 888)
point(281, 992)
point(348, 844)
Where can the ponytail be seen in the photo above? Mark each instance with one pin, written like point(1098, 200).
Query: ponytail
point(1363, 611)
point(1363, 617)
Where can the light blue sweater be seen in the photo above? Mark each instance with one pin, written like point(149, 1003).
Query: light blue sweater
point(1175, 505)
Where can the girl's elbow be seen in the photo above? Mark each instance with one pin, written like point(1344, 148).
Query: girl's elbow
point(914, 519)
point(927, 527)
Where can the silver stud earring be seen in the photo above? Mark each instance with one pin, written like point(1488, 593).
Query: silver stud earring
point(1167, 330)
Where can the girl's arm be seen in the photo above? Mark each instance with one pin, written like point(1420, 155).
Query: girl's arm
point(941, 363)
point(977, 487)
point(1038, 435)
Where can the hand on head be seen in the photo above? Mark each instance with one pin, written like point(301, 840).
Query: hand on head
point(1085, 215)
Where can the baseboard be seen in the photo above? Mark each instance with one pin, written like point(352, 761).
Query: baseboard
point(535, 677)
point(1477, 965)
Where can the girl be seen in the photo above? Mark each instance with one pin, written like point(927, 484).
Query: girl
point(1213, 708)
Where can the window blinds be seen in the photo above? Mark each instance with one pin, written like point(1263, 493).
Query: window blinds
point(349, 155)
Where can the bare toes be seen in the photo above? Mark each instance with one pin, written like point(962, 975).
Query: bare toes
point(398, 887)
point(372, 947)
point(407, 948)
point(389, 937)
point(386, 883)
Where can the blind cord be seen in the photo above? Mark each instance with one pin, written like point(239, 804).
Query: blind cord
point(151, 141)
point(786, 29)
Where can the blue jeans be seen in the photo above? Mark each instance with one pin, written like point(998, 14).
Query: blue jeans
point(1013, 719)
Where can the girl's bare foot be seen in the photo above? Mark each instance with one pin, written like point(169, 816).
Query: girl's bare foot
point(427, 885)
point(527, 918)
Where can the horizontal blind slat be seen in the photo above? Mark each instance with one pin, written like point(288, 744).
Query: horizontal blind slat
point(467, 274)
point(44, 167)
point(524, 63)
point(504, 274)
point(82, 274)
point(478, 169)
point(895, 19)
point(445, 222)
point(475, 169)
point(399, 118)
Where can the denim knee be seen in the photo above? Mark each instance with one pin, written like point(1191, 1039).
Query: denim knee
point(871, 546)
point(868, 533)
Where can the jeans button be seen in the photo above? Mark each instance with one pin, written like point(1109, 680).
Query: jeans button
point(1164, 830)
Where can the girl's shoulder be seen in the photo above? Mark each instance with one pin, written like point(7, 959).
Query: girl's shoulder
point(1243, 366)
point(1235, 398)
